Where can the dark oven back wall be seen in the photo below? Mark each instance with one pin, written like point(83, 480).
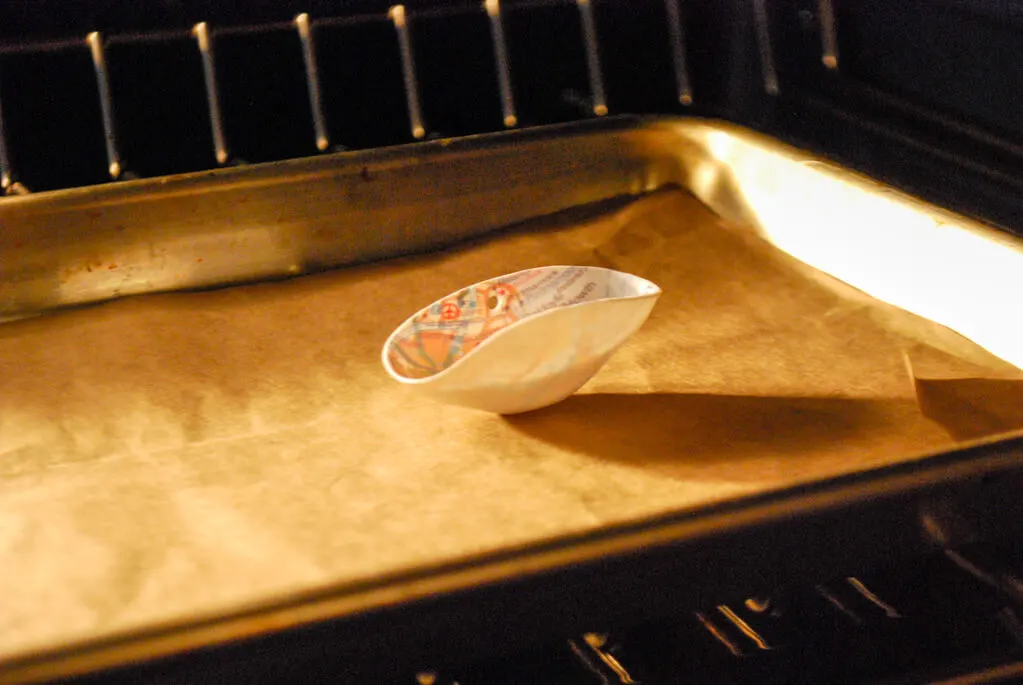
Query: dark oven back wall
point(159, 92)
point(924, 94)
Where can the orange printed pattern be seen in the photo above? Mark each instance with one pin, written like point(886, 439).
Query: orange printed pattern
point(448, 330)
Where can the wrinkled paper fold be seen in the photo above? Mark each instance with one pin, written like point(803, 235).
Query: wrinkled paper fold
point(970, 401)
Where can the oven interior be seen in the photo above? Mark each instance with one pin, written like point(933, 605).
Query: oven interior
point(910, 574)
point(923, 96)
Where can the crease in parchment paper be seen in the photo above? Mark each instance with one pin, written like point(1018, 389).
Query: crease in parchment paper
point(969, 400)
point(170, 457)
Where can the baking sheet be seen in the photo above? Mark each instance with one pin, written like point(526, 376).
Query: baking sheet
point(176, 456)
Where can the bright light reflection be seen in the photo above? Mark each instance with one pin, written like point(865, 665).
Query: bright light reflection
point(876, 241)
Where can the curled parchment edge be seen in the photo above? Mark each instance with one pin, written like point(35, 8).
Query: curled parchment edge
point(969, 405)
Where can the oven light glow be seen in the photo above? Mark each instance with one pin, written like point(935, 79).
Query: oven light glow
point(963, 276)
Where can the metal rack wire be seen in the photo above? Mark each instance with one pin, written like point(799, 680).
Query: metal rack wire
point(205, 39)
point(894, 624)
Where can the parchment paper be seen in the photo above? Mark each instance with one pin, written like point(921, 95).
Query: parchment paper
point(182, 455)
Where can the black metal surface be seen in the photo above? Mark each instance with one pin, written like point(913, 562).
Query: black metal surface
point(924, 98)
point(161, 118)
point(545, 44)
point(457, 78)
point(52, 118)
point(261, 79)
point(962, 59)
point(364, 107)
point(924, 95)
point(635, 52)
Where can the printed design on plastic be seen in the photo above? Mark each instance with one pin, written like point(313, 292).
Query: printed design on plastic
point(451, 328)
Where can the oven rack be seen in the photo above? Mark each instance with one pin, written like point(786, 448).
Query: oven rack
point(104, 136)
